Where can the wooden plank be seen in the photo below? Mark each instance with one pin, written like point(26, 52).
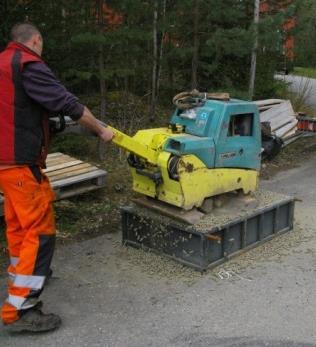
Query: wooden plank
point(55, 157)
point(71, 174)
point(62, 166)
point(278, 118)
point(80, 178)
point(76, 191)
point(284, 130)
point(280, 122)
point(289, 134)
point(264, 108)
point(60, 157)
point(69, 169)
point(270, 115)
point(55, 154)
point(268, 102)
point(55, 163)
point(275, 111)
point(282, 110)
point(58, 160)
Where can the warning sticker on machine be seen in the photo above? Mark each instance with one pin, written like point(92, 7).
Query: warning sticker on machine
point(228, 155)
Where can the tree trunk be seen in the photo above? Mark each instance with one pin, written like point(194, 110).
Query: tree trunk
point(170, 73)
point(101, 144)
point(254, 51)
point(196, 44)
point(102, 83)
point(152, 112)
point(161, 48)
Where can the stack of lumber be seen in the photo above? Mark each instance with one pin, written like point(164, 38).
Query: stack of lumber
point(280, 115)
point(69, 176)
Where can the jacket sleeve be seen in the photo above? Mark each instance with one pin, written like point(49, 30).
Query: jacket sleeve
point(42, 86)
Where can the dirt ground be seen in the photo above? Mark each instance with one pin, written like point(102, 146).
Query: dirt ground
point(291, 156)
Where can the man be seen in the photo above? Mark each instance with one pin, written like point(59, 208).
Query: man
point(29, 91)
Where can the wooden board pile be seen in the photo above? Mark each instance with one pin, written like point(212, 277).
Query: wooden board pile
point(280, 115)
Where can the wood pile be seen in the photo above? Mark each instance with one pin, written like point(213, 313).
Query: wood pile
point(280, 116)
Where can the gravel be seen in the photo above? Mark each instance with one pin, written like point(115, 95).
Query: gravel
point(275, 250)
point(155, 226)
point(160, 266)
point(239, 207)
point(235, 207)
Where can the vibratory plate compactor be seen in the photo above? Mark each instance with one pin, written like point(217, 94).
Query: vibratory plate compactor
point(198, 181)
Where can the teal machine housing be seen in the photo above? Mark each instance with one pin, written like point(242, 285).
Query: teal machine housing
point(222, 134)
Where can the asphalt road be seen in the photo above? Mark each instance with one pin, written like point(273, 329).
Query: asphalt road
point(110, 296)
point(299, 83)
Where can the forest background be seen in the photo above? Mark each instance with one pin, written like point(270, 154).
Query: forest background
point(154, 49)
point(126, 59)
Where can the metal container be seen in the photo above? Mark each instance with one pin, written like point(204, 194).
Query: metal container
point(208, 248)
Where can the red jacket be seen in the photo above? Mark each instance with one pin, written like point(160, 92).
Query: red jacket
point(23, 122)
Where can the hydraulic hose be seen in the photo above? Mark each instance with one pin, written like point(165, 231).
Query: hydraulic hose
point(187, 100)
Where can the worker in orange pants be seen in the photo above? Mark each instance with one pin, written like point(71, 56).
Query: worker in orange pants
point(29, 93)
point(30, 234)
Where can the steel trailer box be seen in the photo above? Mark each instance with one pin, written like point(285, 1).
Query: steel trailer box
point(202, 249)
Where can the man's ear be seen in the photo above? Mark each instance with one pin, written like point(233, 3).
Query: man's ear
point(38, 38)
point(33, 40)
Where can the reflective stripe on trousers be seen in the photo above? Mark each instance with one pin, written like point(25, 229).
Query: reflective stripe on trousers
point(21, 303)
point(14, 261)
point(26, 281)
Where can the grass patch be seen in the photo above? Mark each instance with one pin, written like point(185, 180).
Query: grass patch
point(96, 212)
point(299, 99)
point(309, 72)
point(85, 214)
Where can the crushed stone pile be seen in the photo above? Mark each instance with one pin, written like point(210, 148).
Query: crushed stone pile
point(234, 207)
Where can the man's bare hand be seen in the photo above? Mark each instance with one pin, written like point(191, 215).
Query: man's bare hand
point(107, 135)
point(88, 121)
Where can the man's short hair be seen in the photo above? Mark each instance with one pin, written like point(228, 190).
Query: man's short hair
point(23, 32)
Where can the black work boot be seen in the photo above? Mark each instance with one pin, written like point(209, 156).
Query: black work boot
point(34, 320)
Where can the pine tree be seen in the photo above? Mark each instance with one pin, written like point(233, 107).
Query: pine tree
point(305, 45)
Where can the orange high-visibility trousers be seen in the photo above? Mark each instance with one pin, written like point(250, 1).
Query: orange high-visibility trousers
point(30, 231)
